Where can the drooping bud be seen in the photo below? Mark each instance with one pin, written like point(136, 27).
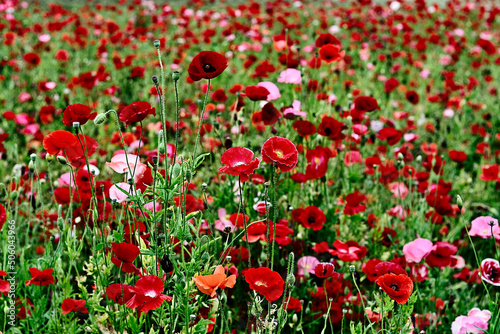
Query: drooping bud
point(62, 160)
point(99, 119)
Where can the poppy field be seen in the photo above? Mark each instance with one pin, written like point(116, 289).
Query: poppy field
point(250, 167)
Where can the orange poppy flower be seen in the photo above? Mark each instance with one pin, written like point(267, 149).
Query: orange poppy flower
point(208, 284)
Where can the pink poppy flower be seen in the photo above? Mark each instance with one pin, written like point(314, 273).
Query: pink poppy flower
point(223, 224)
point(416, 250)
point(490, 271)
point(307, 263)
point(291, 76)
point(118, 195)
point(481, 227)
point(274, 92)
point(398, 189)
point(476, 322)
point(294, 111)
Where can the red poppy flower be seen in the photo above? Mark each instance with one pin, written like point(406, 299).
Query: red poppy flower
point(369, 269)
point(390, 85)
point(457, 156)
point(317, 162)
point(412, 97)
point(349, 251)
point(331, 53)
point(366, 103)
point(331, 128)
point(76, 154)
point(136, 112)
point(148, 294)
point(490, 172)
point(293, 304)
point(59, 140)
point(312, 217)
point(325, 39)
point(238, 161)
point(4, 285)
point(41, 278)
point(256, 93)
point(397, 287)
point(266, 282)
point(441, 254)
point(125, 256)
point(325, 269)
point(490, 271)
point(3, 216)
point(32, 58)
point(392, 135)
point(256, 231)
point(77, 113)
point(270, 114)
point(304, 128)
point(384, 268)
point(114, 292)
point(281, 151)
point(353, 203)
point(207, 65)
point(73, 305)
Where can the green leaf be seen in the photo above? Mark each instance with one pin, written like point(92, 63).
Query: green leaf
point(118, 237)
point(200, 159)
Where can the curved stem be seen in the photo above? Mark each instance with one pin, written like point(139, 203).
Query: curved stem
point(201, 121)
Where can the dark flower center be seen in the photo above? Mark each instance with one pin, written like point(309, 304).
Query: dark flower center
point(494, 274)
point(310, 220)
point(394, 287)
point(328, 131)
point(208, 68)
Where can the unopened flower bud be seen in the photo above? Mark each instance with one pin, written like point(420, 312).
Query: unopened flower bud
point(176, 75)
point(76, 125)
point(460, 202)
point(62, 160)
point(154, 78)
point(204, 186)
point(157, 44)
point(352, 268)
point(49, 157)
point(99, 119)
point(31, 166)
point(400, 156)
point(33, 156)
point(290, 279)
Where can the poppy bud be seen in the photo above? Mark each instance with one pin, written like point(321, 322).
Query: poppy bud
point(176, 75)
point(31, 166)
point(352, 269)
point(49, 157)
point(62, 160)
point(290, 279)
point(154, 78)
point(155, 160)
point(33, 156)
point(99, 119)
point(166, 264)
point(460, 202)
point(76, 125)
point(205, 257)
point(156, 43)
